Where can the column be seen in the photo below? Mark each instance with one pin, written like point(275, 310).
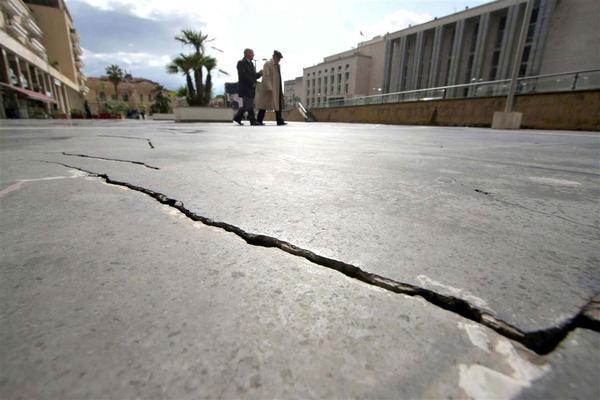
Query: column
point(508, 42)
point(478, 58)
point(5, 73)
point(456, 52)
point(67, 101)
point(29, 80)
point(416, 62)
point(44, 84)
point(19, 80)
point(59, 98)
point(539, 39)
point(435, 56)
point(402, 53)
point(389, 54)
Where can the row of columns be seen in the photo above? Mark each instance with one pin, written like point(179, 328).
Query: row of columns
point(42, 79)
point(401, 74)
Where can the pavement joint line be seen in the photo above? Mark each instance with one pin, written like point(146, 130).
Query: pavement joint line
point(541, 342)
point(109, 159)
point(131, 137)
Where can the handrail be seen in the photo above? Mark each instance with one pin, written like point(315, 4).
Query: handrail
point(574, 74)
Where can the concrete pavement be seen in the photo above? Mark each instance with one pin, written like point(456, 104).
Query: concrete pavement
point(504, 225)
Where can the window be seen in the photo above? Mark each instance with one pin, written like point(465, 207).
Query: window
point(347, 66)
point(149, 97)
point(346, 88)
point(347, 76)
point(126, 97)
point(102, 96)
point(141, 98)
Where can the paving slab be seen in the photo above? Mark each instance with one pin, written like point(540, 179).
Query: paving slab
point(105, 293)
point(506, 221)
point(576, 361)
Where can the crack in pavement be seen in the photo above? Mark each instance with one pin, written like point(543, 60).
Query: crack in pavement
point(542, 342)
point(188, 132)
point(131, 137)
point(548, 214)
point(110, 159)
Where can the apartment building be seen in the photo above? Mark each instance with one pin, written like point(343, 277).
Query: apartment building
point(479, 44)
point(356, 72)
point(40, 60)
point(137, 93)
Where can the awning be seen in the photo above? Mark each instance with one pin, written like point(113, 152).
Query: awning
point(30, 93)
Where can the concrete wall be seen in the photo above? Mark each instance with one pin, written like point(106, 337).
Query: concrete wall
point(572, 111)
point(573, 37)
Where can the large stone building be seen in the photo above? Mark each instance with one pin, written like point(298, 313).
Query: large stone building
point(40, 60)
point(474, 45)
point(136, 93)
point(479, 44)
point(356, 72)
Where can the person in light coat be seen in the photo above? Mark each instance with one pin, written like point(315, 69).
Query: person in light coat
point(269, 94)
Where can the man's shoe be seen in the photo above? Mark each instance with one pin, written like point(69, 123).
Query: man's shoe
point(259, 123)
point(254, 123)
point(238, 121)
point(282, 123)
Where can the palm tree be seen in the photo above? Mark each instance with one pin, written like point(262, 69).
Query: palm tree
point(209, 63)
point(115, 75)
point(197, 40)
point(185, 65)
point(193, 38)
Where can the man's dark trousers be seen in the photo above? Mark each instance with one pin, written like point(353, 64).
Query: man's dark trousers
point(247, 106)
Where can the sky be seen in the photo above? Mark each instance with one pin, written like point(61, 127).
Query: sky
point(138, 35)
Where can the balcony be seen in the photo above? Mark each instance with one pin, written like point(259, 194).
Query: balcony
point(33, 28)
point(79, 64)
point(38, 47)
point(77, 50)
point(15, 7)
point(74, 36)
point(17, 30)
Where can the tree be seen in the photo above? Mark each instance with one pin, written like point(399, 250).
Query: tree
point(115, 75)
point(198, 41)
point(162, 104)
point(209, 63)
point(185, 65)
point(182, 91)
point(193, 65)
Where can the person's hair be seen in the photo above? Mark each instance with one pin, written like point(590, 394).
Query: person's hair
point(246, 51)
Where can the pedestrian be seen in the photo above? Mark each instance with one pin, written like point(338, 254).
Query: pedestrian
point(88, 112)
point(143, 111)
point(270, 93)
point(247, 77)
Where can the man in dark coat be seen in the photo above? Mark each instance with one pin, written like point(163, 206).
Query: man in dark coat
point(247, 77)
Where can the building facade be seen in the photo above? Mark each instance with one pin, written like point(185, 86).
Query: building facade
point(292, 92)
point(479, 44)
point(40, 60)
point(356, 72)
point(136, 93)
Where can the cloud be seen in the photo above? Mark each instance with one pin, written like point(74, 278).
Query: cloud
point(139, 33)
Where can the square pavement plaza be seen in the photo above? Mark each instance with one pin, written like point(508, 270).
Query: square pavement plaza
point(146, 259)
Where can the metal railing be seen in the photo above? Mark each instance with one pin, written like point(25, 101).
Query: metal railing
point(563, 82)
